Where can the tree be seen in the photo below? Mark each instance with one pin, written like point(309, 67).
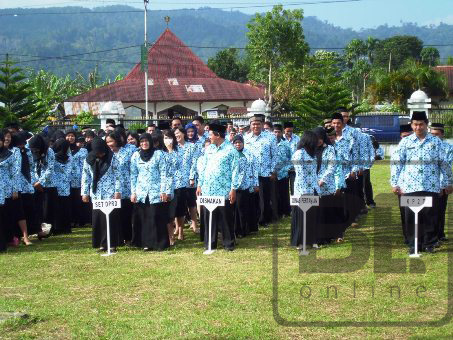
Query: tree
point(355, 50)
point(391, 53)
point(450, 60)
point(16, 95)
point(275, 40)
point(324, 90)
point(430, 56)
point(228, 65)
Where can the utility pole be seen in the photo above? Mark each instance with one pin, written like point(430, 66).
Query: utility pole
point(146, 66)
point(390, 62)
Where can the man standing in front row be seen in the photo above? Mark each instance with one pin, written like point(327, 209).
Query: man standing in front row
point(264, 147)
point(220, 178)
point(420, 168)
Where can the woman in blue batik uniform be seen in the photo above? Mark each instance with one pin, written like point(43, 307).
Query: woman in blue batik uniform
point(148, 187)
point(61, 180)
point(123, 156)
point(80, 212)
point(100, 181)
point(305, 183)
point(8, 190)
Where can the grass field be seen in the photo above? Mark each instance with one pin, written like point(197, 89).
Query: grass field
point(70, 292)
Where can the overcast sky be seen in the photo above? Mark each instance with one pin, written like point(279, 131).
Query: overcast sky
point(354, 14)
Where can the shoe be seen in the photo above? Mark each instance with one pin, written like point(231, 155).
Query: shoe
point(437, 244)
point(27, 243)
point(443, 239)
point(300, 247)
point(354, 225)
point(339, 240)
point(429, 249)
point(411, 251)
point(229, 248)
point(364, 211)
point(101, 250)
point(316, 246)
point(146, 249)
point(42, 235)
point(372, 205)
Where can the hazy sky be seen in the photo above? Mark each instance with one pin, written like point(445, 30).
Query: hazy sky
point(354, 14)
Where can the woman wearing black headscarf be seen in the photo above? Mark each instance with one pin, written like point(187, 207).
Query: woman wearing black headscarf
point(330, 211)
point(61, 181)
point(150, 192)
point(80, 212)
point(101, 181)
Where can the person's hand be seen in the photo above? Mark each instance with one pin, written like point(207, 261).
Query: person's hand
point(256, 189)
point(273, 176)
point(163, 197)
point(198, 191)
point(38, 187)
point(396, 190)
point(337, 192)
point(117, 196)
point(232, 196)
point(85, 199)
point(360, 172)
point(449, 190)
point(321, 183)
point(134, 198)
point(192, 183)
point(352, 175)
point(15, 195)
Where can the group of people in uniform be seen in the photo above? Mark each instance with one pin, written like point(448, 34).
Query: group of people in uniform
point(51, 179)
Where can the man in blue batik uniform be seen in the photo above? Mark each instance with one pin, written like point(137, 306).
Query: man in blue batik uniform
point(293, 140)
point(420, 168)
point(220, 178)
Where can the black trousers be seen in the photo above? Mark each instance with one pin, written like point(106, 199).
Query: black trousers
point(126, 220)
point(242, 213)
point(351, 206)
point(222, 220)
point(403, 219)
point(297, 225)
point(150, 226)
point(330, 218)
point(359, 193)
point(427, 222)
point(443, 202)
point(265, 200)
point(254, 202)
point(50, 204)
point(99, 233)
point(80, 211)
point(284, 207)
point(2, 230)
point(368, 187)
point(61, 222)
point(28, 206)
point(292, 178)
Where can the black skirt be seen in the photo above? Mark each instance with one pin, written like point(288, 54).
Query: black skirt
point(242, 213)
point(297, 225)
point(2, 229)
point(181, 202)
point(191, 197)
point(99, 234)
point(61, 223)
point(80, 211)
point(126, 220)
point(150, 226)
point(331, 218)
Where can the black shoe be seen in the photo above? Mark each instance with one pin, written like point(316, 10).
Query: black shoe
point(146, 249)
point(229, 248)
point(437, 244)
point(429, 249)
point(411, 251)
point(372, 205)
point(101, 250)
point(443, 239)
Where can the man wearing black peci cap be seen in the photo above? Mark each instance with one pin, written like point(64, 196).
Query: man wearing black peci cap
point(420, 168)
point(220, 178)
point(293, 140)
point(438, 130)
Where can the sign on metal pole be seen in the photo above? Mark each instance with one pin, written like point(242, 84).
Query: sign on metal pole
point(107, 206)
point(211, 203)
point(304, 203)
point(416, 204)
point(144, 58)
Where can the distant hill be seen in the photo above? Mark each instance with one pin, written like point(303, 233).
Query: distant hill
point(30, 36)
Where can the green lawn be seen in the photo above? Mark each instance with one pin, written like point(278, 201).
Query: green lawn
point(70, 291)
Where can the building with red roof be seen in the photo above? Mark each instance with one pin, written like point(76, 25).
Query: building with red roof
point(447, 70)
point(179, 82)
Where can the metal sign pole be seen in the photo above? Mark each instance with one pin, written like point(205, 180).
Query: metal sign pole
point(107, 206)
point(305, 202)
point(211, 203)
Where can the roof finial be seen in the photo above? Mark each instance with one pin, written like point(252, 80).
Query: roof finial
point(167, 19)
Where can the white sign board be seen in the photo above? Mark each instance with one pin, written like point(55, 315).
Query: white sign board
point(107, 206)
point(212, 114)
point(305, 202)
point(211, 203)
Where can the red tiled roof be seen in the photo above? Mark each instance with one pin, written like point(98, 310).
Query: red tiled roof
point(170, 58)
point(215, 89)
point(448, 71)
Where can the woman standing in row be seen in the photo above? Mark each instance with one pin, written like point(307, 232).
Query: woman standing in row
point(149, 193)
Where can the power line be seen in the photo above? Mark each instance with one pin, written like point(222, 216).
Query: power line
point(201, 8)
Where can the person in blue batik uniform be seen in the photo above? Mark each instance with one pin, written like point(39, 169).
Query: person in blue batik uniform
point(186, 151)
point(199, 170)
point(100, 181)
point(43, 166)
point(61, 180)
point(282, 167)
point(376, 153)
point(420, 168)
point(330, 216)
point(437, 129)
point(9, 188)
point(149, 193)
point(306, 183)
point(263, 145)
point(198, 121)
point(80, 212)
point(293, 141)
point(248, 183)
point(123, 157)
point(220, 178)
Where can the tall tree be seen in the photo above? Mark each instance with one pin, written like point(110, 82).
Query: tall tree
point(430, 56)
point(391, 53)
point(275, 40)
point(16, 96)
point(324, 90)
point(228, 65)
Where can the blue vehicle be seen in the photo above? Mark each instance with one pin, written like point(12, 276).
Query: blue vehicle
point(385, 128)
